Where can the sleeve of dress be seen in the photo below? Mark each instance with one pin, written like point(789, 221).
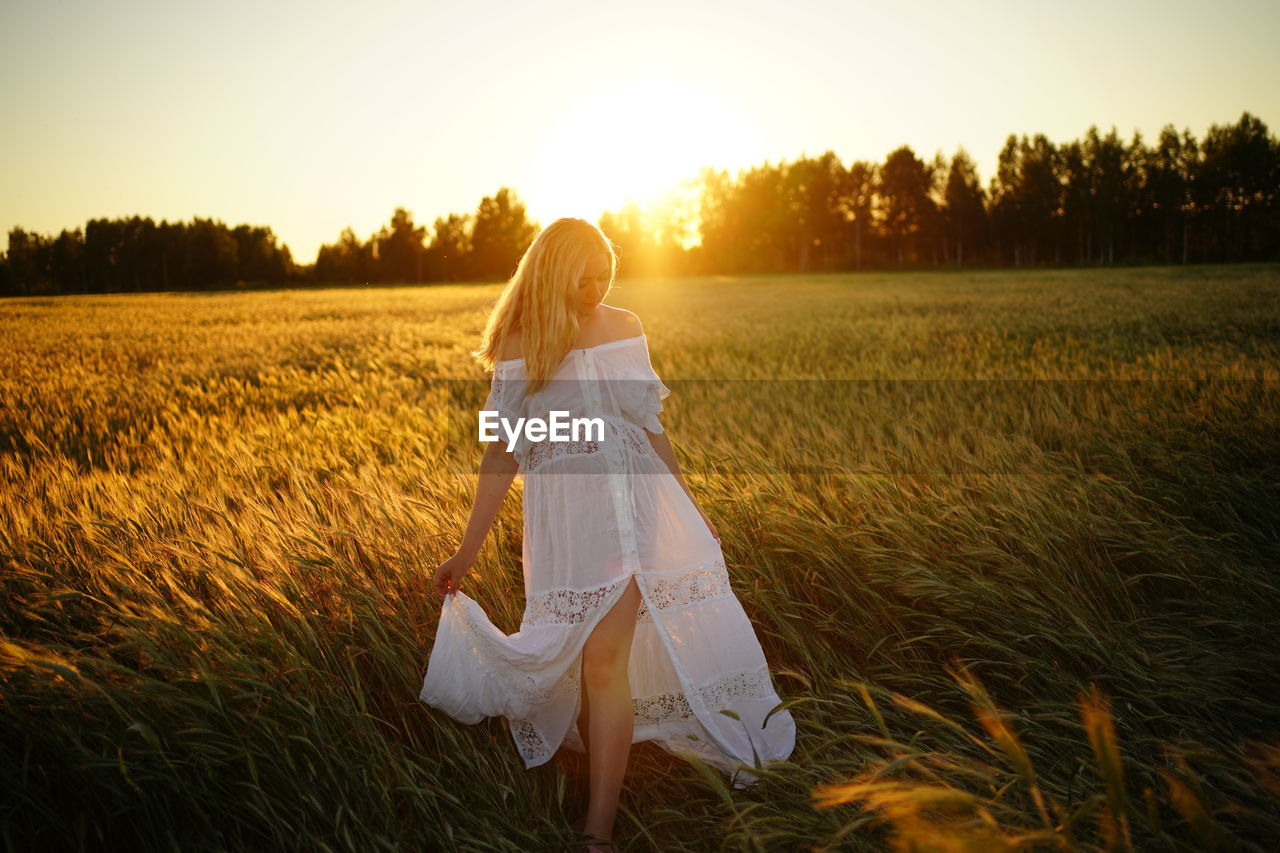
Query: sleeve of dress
point(645, 395)
point(504, 398)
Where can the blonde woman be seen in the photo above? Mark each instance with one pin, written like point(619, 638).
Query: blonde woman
point(631, 630)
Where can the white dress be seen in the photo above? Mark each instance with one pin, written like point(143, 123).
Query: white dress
point(596, 513)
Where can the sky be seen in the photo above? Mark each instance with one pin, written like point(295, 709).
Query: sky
point(317, 116)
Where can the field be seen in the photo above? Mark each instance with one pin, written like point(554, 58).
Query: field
point(1011, 542)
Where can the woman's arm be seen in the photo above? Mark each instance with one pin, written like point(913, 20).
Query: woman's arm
point(498, 469)
point(662, 446)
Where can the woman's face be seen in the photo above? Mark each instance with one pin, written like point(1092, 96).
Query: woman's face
point(594, 284)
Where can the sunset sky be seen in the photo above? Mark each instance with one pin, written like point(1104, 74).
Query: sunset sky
point(309, 117)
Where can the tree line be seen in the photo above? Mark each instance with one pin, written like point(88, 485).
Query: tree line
point(1091, 201)
point(136, 254)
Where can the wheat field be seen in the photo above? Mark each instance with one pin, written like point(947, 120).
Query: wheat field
point(1010, 540)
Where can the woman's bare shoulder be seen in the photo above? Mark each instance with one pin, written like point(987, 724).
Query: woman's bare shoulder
point(623, 323)
point(615, 323)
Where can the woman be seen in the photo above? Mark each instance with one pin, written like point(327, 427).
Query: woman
point(631, 631)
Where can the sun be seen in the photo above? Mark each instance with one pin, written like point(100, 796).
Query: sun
point(635, 140)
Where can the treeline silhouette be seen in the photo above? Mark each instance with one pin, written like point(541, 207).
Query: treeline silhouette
point(1092, 201)
point(136, 254)
point(485, 245)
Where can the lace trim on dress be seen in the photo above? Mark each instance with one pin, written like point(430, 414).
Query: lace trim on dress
point(498, 393)
point(531, 744)
point(542, 452)
point(668, 590)
point(565, 606)
point(659, 708)
point(545, 451)
point(528, 741)
point(710, 580)
point(663, 707)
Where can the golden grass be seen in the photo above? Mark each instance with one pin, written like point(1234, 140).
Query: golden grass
point(940, 495)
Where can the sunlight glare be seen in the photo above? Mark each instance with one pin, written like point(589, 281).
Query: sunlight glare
point(636, 141)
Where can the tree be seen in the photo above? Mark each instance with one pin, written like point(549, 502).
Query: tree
point(261, 260)
point(349, 260)
point(716, 222)
point(1104, 158)
point(964, 210)
point(857, 202)
point(399, 249)
point(24, 262)
point(904, 188)
point(1239, 177)
point(1170, 175)
point(813, 194)
point(1077, 202)
point(448, 256)
point(500, 235)
point(630, 231)
point(760, 202)
point(1040, 196)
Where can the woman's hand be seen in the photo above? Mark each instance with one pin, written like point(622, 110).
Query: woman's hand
point(711, 527)
point(449, 574)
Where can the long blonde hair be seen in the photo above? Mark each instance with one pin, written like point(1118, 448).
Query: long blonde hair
point(541, 296)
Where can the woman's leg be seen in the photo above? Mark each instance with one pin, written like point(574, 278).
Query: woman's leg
point(611, 722)
point(584, 722)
